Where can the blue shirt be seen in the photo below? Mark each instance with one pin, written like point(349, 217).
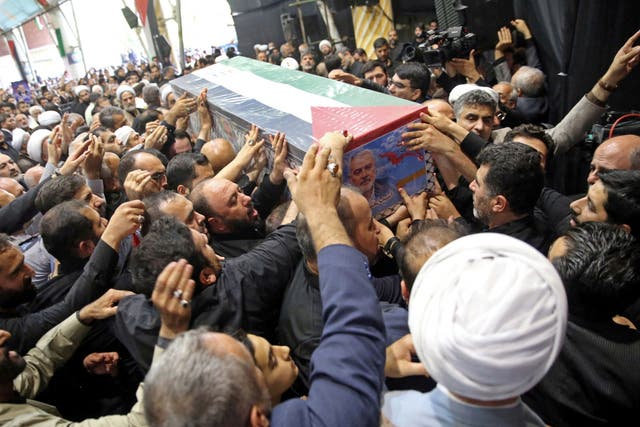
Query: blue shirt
point(347, 369)
point(439, 408)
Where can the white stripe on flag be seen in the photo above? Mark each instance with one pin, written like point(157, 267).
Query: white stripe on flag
point(279, 96)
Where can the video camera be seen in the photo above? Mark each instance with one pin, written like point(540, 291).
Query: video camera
point(441, 46)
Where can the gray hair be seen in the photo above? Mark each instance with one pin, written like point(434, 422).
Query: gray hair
point(474, 97)
point(196, 386)
point(529, 80)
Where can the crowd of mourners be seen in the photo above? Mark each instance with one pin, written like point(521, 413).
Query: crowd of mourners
point(153, 274)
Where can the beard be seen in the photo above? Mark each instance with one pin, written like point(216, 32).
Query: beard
point(11, 299)
point(480, 211)
point(242, 225)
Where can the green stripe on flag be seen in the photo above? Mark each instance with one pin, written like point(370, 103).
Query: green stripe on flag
point(60, 43)
point(341, 92)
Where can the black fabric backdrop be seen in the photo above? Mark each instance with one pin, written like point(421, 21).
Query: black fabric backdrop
point(576, 39)
point(258, 21)
point(579, 39)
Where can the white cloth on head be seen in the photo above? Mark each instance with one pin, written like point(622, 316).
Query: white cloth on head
point(164, 94)
point(324, 43)
point(49, 118)
point(123, 134)
point(488, 315)
point(460, 90)
point(97, 89)
point(290, 63)
point(34, 109)
point(34, 147)
point(124, 88)
point(80, 88)
point(19, 135)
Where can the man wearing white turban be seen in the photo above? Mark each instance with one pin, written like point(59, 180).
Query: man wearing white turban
point(34, 112)
point(36, 144)
point(20, 136)
point(49, 118)
point(488, 315)
point(82, 102)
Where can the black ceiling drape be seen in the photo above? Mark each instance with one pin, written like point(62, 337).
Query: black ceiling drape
point(576, 41)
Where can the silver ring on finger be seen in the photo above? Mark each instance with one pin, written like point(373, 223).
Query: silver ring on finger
point(251, 142)
point(177, 293)
point(333, 169)
point(184, 303)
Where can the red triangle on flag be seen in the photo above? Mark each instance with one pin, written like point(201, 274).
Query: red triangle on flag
point(364, 123)
point(141, 7)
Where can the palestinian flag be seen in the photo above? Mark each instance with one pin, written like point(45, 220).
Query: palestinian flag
point(243, 91)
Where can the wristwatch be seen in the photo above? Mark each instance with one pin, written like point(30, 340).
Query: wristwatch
point(390, 246)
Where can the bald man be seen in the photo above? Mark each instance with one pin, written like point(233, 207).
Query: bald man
point(12, 186)
point(219, 152)
point(508, 94)
point(619, 152)
point(32, 176)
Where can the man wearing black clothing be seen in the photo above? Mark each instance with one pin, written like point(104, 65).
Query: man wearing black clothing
point(244, 292)
point(236, 221)
point(70, 232)
point(593, 381)
point(505, 191)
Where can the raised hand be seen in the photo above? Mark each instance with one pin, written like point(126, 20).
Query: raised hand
point(467, 67)
point(427, 137)
point(151, 126)
point(172, 298)
point(398, 363)
point(627, 57)
point(135, 182)
point(125, 221)
point(76, 159)
point(156, 139)
point(54, 147)
point(203, 109)
point(443, 207)
point(521, 25)
point(315, 187)
point(416, 205)
point(183, 107)
point(504, 42)
point(280, 150)
point(344, 77)
point(103, 307)
point(93, 162)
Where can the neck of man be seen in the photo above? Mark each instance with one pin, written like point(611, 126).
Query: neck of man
point(487, 403)
point(505, 218)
